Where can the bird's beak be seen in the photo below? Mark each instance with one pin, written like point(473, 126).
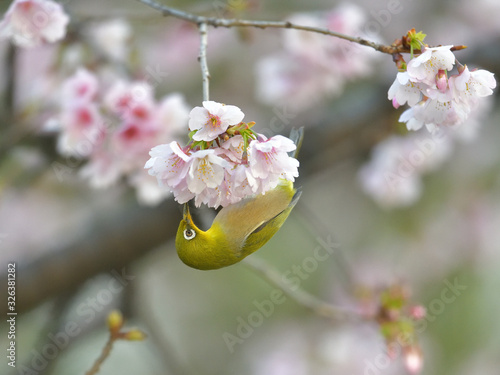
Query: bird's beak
point(186, 216)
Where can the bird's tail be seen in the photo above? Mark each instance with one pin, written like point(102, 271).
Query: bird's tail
point(296, 135)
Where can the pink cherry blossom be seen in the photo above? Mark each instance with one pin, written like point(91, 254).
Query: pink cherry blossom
point(224, 172)
point(82, 130)
point(130, 98)
point(133, 138)
point(213, 119)
point(424, 67)
point(233, 149)
point(33, 22)
point(270, 156)
point(82, 86)
point(169, 164)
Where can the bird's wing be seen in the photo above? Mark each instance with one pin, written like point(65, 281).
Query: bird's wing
point(266, 230)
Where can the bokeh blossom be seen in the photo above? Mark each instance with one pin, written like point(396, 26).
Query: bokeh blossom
point(393, 176)
point(115, 126)
point(312, 66)
point(227, 163)
point(30, 23)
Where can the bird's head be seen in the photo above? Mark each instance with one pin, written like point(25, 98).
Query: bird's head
point(188, 230)
point(204, 250)
point(191, 241)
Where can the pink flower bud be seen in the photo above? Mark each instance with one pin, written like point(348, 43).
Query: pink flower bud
point(442, 81)
point(418, 312)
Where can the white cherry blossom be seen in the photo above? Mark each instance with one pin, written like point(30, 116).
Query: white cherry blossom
point(206, 171)
point(403, 90)
point(424, 67)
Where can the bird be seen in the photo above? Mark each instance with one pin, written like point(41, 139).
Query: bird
point(240, 229)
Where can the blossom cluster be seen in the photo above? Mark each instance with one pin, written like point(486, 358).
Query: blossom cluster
point(114, 128)
point(436, 99)
point(225, 160)
point(312, 65)
point(30, 23)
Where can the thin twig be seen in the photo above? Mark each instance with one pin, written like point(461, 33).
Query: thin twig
point(104, 355)
point(203, 59)
point(223, 22)
point(301, 296)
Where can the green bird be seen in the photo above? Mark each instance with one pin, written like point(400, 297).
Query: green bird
point(238, 230)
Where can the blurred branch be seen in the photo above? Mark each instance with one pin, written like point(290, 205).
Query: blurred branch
point(104, 355)
point(300, 296)
point(109, 243)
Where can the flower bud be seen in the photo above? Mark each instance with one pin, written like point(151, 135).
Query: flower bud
point(115, 321)
point(418, 312)
point(134, 335)
point(442, 80)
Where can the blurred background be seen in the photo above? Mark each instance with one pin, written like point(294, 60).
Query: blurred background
point(81, 252)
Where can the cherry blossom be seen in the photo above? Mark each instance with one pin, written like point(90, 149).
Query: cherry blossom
point(435, 99)
point(270, 157)
point(125, 98)
point(424, 67)
point(403, 90)
point(33, 22)
point(82, 130)
point(233, 149)
point(206, 171)
point(169, 164)
point(111, 38)
point(240, 164)
point(82, 86)
point(213, 119)
point(469, 86)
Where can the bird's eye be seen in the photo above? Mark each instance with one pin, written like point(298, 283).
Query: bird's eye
point(189, 234)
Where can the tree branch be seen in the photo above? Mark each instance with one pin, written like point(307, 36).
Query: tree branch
point(223, 22)
point(300, 296)
point(205, 74)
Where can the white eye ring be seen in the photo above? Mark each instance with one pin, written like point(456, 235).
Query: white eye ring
point(189, 234)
